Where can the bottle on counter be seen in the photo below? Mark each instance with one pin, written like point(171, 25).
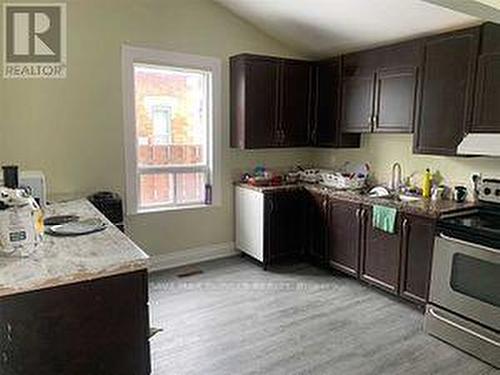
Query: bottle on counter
point(427, 184)
point(21, 223)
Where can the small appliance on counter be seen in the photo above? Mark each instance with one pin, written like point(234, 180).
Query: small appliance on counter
point(21, 219)
point(33, 182)
point(460, 194)
point(110, 205)
point(464, 301)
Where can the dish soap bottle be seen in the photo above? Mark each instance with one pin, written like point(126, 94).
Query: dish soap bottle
point(427, 184)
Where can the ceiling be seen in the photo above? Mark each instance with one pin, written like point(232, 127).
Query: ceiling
point(320, 28)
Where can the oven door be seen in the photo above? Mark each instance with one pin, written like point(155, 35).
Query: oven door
point(466, 280)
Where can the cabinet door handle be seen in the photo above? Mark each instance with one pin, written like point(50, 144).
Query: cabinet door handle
point(405, 225)
point(358, 213)
point(363, 214)
point(405, 233)
point(271, 206)
point(313, 136)
point(8, 327)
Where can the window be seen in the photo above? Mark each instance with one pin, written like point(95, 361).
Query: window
point(171, 112)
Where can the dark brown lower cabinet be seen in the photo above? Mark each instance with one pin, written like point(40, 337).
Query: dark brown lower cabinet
point(380, 254)
point(398, 263)
point(314, 227)
point(339, 233)
point(344, 231)
point(416, 257)
point(95, 327)
point(283, 234)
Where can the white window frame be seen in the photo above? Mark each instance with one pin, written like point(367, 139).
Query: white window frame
point(139, 55)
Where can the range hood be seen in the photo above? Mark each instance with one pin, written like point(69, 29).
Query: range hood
point(487, 144)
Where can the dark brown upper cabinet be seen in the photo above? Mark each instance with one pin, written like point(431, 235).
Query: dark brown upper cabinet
point(395, 100)
point(325, 126)
point(254, 102)
point(447, 91)
point(380, 89)
point(486, 118)
point(357, 103)
point(295, 102)
point(270, 102)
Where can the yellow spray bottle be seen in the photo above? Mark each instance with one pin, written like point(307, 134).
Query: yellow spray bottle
point(427, 184)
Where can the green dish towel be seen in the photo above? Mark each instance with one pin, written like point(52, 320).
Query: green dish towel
point(384, 218)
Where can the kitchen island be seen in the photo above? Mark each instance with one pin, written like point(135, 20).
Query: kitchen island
point(77, 305)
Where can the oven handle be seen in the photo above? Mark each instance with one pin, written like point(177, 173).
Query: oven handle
point(462, 242)
point(462, 328)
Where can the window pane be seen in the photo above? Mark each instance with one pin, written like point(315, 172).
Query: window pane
point(156, 189)
point(171, 115)
point(190, 188)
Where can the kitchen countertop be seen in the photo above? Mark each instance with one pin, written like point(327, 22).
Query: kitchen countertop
point(422, 207)
point(65, 260)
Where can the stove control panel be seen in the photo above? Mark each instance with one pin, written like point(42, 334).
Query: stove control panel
point(489, 190)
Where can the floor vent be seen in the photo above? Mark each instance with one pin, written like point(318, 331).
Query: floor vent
point(188, 271)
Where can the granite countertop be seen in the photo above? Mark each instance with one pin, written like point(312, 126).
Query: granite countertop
point(422, 207)
point(65, 260)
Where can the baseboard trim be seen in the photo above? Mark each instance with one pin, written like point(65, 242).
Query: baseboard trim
point(190, 256)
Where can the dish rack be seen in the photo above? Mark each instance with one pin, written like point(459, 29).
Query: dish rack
point(343, 181)
point(309, 175)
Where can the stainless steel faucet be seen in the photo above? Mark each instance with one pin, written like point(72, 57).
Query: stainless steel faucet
point(396, 177)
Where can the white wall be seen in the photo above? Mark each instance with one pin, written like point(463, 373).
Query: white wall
point(382, 150)
point(72, 129)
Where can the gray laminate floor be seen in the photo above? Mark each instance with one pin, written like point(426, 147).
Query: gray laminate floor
point(235, 318)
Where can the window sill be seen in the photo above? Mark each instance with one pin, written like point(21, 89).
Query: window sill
point(159, 209)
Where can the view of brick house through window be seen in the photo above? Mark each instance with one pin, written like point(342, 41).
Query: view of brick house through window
point(171, 107)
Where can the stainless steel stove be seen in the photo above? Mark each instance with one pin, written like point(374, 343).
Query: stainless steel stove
point(464, 302)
